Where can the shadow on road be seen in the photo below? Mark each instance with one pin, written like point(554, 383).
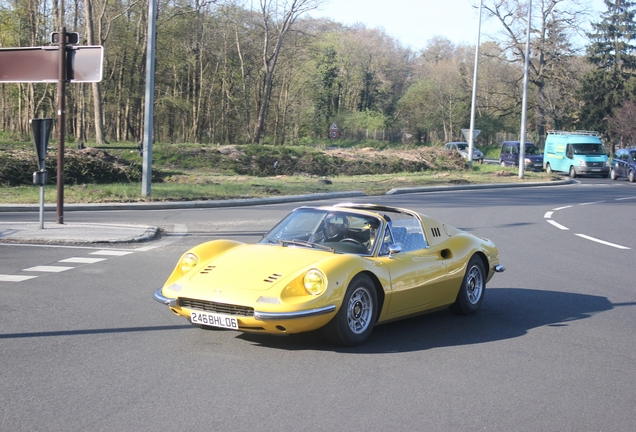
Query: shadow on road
point(506, 313)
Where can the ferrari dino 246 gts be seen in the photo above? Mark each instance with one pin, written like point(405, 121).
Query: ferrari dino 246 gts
point(343, 268)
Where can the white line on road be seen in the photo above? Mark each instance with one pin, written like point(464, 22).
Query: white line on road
point(13, 278)
point(82, 260)
point(48, 269)
point(602, 242)
point(558, 225)
point(111, 252)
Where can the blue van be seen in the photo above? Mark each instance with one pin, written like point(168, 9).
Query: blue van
point(509, 155)
point(576, 153)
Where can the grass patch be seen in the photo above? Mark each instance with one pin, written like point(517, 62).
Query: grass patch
point(221, 187)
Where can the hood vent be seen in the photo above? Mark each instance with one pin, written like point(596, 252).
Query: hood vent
point(208, 269)
point(273, 278)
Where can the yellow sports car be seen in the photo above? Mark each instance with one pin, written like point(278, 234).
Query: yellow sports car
point(343, 268)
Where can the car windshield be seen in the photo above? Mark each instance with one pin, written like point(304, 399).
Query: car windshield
point(339, 231)
point(588, 149)
point(462, 146)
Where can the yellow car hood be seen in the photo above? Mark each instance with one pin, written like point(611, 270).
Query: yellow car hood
point(255, 267)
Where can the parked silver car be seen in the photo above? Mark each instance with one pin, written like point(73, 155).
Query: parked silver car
point(462, 148)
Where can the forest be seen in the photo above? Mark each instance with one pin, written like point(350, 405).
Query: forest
point(265, 72)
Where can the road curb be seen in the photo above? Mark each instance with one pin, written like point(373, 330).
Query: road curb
point(397, 191)
point(167, 205)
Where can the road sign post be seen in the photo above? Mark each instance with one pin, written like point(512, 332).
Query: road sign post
point(41, 129)
point(61, 64)
point(334, 132)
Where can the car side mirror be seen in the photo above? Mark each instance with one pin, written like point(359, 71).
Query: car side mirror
point(394, 249)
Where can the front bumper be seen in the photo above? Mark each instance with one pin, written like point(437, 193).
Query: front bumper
point(172, 302)
point(268, 322)
point(584, 170)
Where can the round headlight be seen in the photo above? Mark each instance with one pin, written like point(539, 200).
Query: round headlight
point(315, 282)
point(188, 262)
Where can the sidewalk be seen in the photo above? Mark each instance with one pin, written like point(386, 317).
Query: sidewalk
point(74, 233)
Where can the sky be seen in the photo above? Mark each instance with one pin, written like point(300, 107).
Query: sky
point(415, 22)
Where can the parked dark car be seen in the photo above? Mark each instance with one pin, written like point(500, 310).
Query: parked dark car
point(624, 164)
point(509, 156)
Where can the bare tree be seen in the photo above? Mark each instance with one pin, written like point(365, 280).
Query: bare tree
point(554, 24)
point(278, 18)
point(621, 124)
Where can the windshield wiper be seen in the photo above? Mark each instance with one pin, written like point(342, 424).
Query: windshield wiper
point(306, 244)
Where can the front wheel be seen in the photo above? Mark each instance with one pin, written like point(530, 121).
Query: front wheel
point(572, 172)
point(354, 322)
point(613, 175)
point(502, 163)
point(631, 176)
point(471, 293)
point(548, 169)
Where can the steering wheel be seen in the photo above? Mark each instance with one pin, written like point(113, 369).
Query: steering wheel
point(350, 240)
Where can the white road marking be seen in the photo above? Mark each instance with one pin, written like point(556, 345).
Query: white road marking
point(48, 269)
point(110, 252)
point(82, 260)
point(13, 278)
point(602, 241)
point(548, 218)
point(593, 202)
point(558, 225)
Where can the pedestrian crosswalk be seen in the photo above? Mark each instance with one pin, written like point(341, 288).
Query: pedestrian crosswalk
point(35, 271)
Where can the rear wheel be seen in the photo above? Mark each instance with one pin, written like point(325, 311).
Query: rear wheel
point(471, 293)
point(572, 172)
point(354, 322)
point(631, 176)
point(613, 175)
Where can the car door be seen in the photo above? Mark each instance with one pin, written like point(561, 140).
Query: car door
point(624, 164)
point(416, 277)
point(618, 163)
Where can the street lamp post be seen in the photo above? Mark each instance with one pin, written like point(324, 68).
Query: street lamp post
point(146, 178)
point(471, 136)
point(522, 140)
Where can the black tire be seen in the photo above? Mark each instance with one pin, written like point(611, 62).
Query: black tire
point(354, 322)
point(631, 176)
point(613, 175)
point(572, 172)
point(502, 163)
point(548, 169)
point(471, 293)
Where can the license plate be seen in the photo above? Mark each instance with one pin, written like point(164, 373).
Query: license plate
point(214, 320)
point(596, 169)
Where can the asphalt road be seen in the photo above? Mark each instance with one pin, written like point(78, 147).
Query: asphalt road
point(85, 348)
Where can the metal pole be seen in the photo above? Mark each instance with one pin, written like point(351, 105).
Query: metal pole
point(60, 126)
point(522, 140)
point(471, 137)
point(42, 207)
point(146, 178)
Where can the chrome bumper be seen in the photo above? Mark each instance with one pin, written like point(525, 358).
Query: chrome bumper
point(261, 316)
point(265, 316)
point(499, 268)
point(163, 299)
